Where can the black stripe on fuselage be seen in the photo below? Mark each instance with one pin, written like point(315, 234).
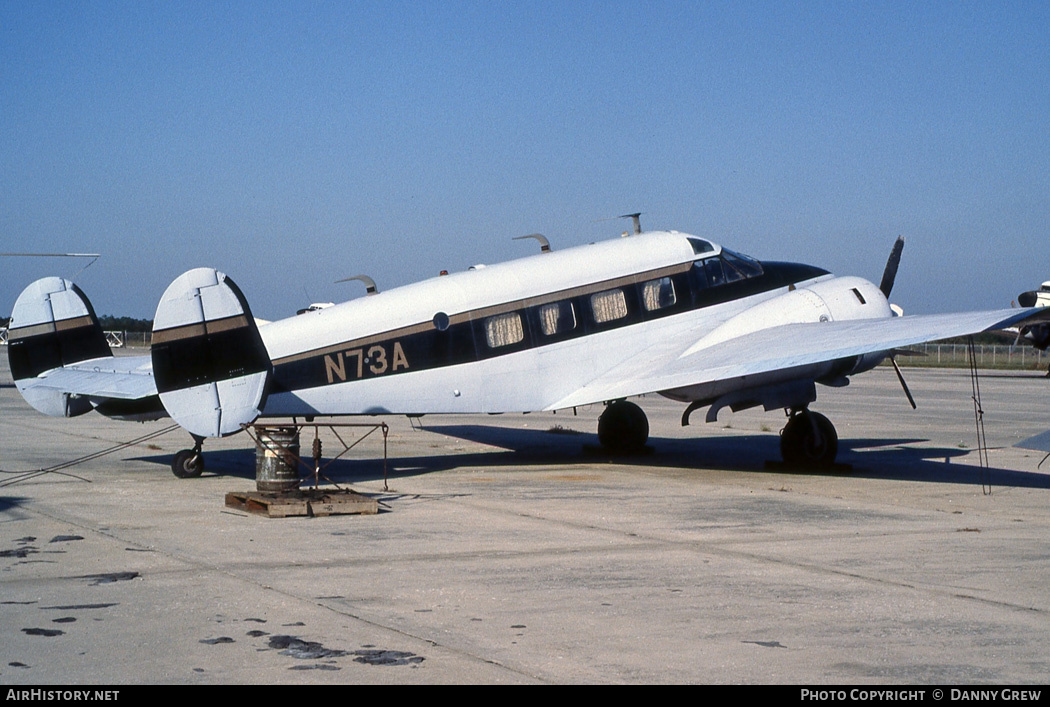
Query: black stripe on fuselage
point(423, 347)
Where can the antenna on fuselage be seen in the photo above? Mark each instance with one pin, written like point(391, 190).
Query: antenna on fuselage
point(370, 284)
point(545, 245)
point(93, 256)
point(634, 217)
point(637, 221)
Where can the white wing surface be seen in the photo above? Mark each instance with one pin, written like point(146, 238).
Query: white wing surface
point(687, 361)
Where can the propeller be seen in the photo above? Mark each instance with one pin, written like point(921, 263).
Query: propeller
point(888, 276)
point(890, 273)
point(900, 377)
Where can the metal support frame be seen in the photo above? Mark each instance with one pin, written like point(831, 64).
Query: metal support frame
point(317, 467)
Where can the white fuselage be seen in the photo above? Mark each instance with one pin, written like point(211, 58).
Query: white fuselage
point(501, 338)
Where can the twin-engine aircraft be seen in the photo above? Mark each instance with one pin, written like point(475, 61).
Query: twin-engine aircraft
point(661, 312)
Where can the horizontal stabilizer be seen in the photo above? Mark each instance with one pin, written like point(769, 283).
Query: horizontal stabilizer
point(209, 361)
point(124, 378)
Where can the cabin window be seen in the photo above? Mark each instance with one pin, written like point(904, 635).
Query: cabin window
point(556, 318)
point(657, 294)
point(504, 330)
point(608, 306)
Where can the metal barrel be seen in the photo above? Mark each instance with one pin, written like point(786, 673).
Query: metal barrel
point(276, 459)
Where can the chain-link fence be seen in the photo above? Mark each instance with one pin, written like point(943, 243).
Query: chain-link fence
point(1019, 357)
point(137, 339)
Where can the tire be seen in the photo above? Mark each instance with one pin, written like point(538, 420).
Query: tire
point(623, 427)
point(187, 464)
point(802, 445)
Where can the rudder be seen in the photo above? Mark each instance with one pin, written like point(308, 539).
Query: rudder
point(210, 365)
point(52, 325)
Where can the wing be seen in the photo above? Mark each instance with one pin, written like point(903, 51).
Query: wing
point(688, 361)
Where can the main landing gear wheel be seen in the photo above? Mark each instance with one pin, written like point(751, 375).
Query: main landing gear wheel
point(809, 439)
point(623, 428)
point(188, 464)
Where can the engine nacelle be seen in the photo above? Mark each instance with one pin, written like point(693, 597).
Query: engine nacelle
point(1038, 335)
point(835, 299)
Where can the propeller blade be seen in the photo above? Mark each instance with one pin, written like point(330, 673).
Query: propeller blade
point(890, 273)
point(904, 385)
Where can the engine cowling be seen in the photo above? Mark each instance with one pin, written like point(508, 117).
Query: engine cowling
point(1038, 335)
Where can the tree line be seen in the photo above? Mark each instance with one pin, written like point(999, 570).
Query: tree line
point(111, 323)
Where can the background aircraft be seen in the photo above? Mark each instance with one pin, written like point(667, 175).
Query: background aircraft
point(1037, 334)
point(660, 312)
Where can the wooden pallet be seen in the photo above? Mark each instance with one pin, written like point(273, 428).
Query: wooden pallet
point(302, 503)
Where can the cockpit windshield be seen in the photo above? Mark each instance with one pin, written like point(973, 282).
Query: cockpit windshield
point(744, 265)
point(726, 267)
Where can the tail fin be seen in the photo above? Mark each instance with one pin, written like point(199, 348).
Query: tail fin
point(52, 325)
point(209, 361)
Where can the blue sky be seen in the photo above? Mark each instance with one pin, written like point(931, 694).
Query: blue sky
point(293, 144)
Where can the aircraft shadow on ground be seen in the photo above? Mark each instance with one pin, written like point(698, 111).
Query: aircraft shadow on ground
point(8, 503)
point(524, 448)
